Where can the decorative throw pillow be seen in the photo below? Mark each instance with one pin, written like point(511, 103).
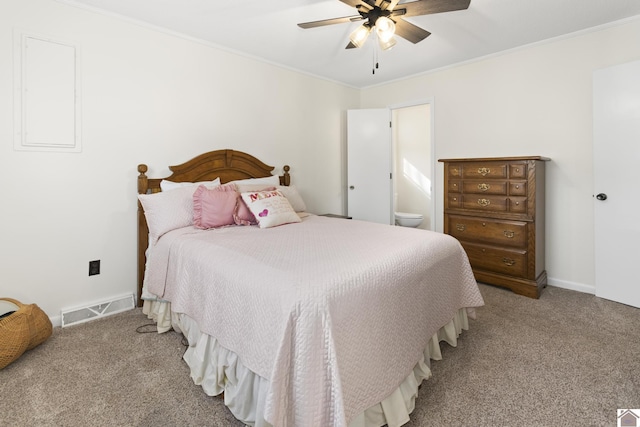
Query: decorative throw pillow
point(270, 208)
point(244, 215)
point(166, 211)
point(292, 195)
point(214, 207)
point(170, 185)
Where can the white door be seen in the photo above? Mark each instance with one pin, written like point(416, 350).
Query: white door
point(369, 165)
point(616, 135)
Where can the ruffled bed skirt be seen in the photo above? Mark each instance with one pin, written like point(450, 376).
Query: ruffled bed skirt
point(219, 370)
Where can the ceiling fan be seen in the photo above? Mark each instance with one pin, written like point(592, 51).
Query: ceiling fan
point(387, 18)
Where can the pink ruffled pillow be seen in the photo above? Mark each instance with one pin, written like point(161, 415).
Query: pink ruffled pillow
point(214, 207)
point(242, 215)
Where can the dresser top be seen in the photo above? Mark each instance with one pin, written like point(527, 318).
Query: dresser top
point(486, 159)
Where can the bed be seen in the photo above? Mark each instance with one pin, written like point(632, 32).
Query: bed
point(310, 321)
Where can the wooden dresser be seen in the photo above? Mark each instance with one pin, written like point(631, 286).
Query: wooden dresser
point(495, 208)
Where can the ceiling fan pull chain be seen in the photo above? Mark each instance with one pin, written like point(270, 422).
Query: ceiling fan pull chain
point(373, 65)
point(375, 58)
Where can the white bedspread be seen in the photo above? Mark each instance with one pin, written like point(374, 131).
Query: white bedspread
point(334, 313)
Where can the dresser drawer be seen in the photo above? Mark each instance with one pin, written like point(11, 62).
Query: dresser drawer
point(454, 186)
point(485, 203)
point(498, 260)
point(518, 204)
point(505, 233)
point(485, 187)
point(517, 170)
point(486, 170)
point(518, 188)
point(454, 171)
point(454, 201)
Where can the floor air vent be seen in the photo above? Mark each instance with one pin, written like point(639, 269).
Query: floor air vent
point(96, 311)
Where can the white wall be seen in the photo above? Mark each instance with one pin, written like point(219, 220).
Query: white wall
point(531, 101)
point(147, 97)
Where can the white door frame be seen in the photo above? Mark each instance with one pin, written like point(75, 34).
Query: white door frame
point(434, 192)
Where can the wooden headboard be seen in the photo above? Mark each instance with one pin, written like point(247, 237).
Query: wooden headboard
point(228, 165)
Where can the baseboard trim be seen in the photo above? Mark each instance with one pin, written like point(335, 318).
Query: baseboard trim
point(96, 310)
point(574, 286)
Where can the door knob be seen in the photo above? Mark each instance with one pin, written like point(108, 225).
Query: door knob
point(351, 187)
point(601, 196)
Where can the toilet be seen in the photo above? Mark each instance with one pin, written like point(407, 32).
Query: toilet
point(408, 219)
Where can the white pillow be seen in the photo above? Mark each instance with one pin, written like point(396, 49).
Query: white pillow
point(292, 195)
point(247, 188)
point(166, 211)
point(271, 181)
point(271, 208)
point(170, 185)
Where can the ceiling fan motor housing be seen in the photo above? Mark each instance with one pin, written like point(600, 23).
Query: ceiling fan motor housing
point(373, 15)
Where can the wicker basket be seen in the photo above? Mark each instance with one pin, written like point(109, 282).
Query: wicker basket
point(23, 330)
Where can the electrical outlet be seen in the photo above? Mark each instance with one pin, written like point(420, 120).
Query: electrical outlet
point(94, 267)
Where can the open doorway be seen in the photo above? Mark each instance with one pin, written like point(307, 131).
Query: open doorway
point(413, 162)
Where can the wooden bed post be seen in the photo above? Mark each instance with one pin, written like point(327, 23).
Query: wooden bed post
point(143, 181)
point(285, 179)
point(143, 231)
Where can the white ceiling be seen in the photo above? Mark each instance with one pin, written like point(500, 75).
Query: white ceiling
point(266, 29)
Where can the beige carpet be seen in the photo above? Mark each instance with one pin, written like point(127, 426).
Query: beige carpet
point(568, 359)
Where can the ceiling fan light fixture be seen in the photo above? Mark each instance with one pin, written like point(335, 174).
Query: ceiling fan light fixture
point(388, 44)
point(385, 28)
point(360, 35)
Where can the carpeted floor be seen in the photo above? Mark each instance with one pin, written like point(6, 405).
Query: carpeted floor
point(567, 359)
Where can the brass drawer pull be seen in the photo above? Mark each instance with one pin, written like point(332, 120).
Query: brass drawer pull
point(509, 261)
point(483, 187)
point(484, 171)
point(508, 234)
point(484, 202)
point(460, 227)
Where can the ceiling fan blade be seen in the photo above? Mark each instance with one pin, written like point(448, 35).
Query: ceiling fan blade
point(389, 4)
point(427, 7)
point(410, 32)
point(332, 21)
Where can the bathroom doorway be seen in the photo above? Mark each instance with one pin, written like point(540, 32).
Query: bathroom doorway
point(413, 165)
point(390, 165)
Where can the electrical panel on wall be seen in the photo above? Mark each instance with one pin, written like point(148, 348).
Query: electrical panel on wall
point(46, 94)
